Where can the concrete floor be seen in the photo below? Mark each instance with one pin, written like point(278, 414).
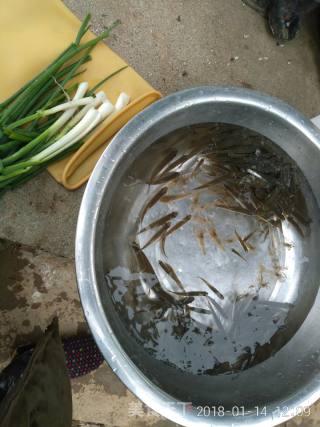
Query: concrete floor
point(174, 45)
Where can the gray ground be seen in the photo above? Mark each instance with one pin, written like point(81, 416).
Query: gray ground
point(174, 45)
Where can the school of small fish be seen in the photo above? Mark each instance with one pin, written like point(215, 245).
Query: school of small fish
point(248, 180)
point(213, 221)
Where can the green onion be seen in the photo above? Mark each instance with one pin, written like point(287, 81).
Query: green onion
point(31, 89)
point(43, 113)
point(50, 116)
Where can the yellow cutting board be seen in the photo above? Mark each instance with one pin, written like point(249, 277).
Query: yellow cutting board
point(32, 34)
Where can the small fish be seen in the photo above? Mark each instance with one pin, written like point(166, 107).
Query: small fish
point(156, 291)
point(235, 209)
point(200, 238)
point(178, 225)
point(162, 245)
point(184, 301)
point(266, 233)
point(233, 194)
point(214, 236)
point(210, 169)
point(248, 236)
point(254, 202)
point(176, 163)
point(195, 200)
point(296, 225)
point(278, 222)
point(160, 221)
point(256, 175)
point(264, 269)
point(153, 201)
point(214, 181)
point(280, 275)
point(273, 240)
point(200, 310)
point(239, 255)
point(250, 247)
point(165, 178)
point(214, 314)
point(241, 241)
point(173, 197)
point(288, 245)
point(157, 235)
point(191, 293)
point(197, 167)
point(196, 150)
point(181, 160)
point(301, 218)
point(170, 156)
point(174, 228)
point(143, 261)
point(181, 180)
point(200, 219)
point(214, 289)
point(229, 240)
point(170, 271)
point(262, 282)
point(263, 219)
point(196, 206)
point(239, 297)
point(273, 255)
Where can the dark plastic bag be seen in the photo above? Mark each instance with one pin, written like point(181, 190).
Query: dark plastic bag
point(35, 389)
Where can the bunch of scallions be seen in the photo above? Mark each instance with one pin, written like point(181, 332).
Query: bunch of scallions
point(51, 115)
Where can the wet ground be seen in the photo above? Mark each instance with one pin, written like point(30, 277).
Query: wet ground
point(194, 42)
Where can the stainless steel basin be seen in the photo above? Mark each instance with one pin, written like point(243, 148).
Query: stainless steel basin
point(284, 379)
